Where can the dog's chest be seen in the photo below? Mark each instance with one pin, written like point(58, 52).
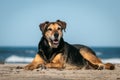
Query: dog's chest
point(49, 54)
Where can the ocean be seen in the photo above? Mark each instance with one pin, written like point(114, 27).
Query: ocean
point(26, 54)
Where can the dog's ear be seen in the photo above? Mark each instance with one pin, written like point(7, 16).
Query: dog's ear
point(42, 26)
point(62, 24)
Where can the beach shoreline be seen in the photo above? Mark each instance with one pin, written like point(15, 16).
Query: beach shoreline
point(13, 72)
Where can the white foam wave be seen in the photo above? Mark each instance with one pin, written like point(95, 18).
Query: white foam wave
point(111, 60)
point(15, 59)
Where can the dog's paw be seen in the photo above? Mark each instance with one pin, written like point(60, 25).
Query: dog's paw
point(42, 66)
point(101, 67)
point(109, 66)
point(31, 66)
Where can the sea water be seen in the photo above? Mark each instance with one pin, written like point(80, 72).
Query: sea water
point(26, 54)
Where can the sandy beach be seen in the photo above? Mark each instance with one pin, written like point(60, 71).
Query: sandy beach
point(13, 72)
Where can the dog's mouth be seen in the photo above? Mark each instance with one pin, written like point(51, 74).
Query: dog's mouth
point(55, 42)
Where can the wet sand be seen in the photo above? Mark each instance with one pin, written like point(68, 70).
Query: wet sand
point(12, 72)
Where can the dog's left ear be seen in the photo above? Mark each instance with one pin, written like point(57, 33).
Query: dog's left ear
point(62, 24)
point(42, 26)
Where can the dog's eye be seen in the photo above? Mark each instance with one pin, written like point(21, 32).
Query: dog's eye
point(49, 29)
point(59, 28)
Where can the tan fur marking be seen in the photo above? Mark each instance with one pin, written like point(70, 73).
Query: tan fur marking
point(95, 61)
point(57, 62)
point(38, 59)
point(35, 63)
point(90, 57)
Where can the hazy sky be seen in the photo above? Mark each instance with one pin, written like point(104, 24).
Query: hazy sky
point(89, 22)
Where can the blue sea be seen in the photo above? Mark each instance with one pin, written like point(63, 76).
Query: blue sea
point(26, 54)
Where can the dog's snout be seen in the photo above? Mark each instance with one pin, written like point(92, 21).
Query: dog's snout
point(56, 35)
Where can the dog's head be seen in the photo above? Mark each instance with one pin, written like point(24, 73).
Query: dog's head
point(52, 31)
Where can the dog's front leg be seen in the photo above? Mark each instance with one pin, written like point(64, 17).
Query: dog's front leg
point(36, 63)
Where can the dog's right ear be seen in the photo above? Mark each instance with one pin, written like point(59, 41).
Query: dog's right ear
point(42, 26)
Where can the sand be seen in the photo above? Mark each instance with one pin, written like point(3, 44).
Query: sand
point(12, 72)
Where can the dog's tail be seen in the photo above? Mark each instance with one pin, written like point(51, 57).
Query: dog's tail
point(100, 65)
point(109, 66)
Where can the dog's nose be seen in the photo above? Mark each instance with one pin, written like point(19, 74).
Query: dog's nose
point(56, 35)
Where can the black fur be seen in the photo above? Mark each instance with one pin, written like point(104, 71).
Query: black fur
point(70, 53)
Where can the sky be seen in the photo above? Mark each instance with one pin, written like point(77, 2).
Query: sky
point(89, 22)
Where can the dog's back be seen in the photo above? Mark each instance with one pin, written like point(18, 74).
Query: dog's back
point(73, 57)
point(90, 56)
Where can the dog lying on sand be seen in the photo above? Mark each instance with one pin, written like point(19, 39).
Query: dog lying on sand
point(54, 52)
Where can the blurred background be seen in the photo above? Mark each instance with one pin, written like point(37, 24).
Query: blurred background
point(95, 23)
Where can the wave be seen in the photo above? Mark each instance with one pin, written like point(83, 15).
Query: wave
point(111, 60)
point(17, 59)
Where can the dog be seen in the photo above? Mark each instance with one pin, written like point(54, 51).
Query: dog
point(54, 52)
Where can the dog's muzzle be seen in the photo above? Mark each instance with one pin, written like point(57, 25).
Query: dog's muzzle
point(56, 35)
point(56, 40)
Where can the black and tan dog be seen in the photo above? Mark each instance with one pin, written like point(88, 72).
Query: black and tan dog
point(54, 52)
